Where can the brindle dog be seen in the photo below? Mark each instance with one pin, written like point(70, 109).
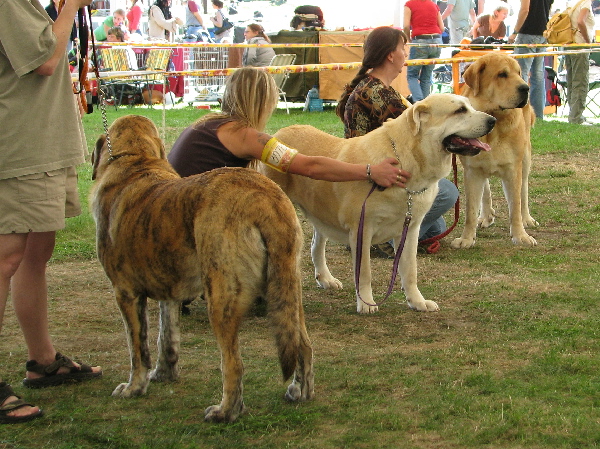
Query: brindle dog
point(230, 235)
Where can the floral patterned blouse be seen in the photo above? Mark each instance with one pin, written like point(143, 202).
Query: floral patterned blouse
point(369, 105)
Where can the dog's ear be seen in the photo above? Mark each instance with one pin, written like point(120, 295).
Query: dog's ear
point(472, 76)
point(96, 154)
point(420, 114)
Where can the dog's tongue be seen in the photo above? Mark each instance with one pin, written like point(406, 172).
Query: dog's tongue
point(476, 143)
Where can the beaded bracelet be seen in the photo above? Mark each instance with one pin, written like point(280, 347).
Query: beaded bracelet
point(369, 174)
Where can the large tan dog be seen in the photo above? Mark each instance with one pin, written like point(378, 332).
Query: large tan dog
point(421, 139)
point(230, 235)
point(494, 85)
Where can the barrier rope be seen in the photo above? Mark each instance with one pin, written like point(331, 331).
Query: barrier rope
point(329, 45)
point(323, 67)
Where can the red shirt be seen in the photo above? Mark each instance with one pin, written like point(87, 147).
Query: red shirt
point(423, 17)
point(133, 17)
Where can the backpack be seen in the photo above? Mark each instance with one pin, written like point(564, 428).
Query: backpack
point(559, 29)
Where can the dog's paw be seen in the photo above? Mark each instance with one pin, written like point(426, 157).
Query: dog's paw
point(216, 414)
point(328, 282)
point(530, 222)
point(462, 243)
point(299, 391)
point(524, 239)
point(424, 306)
point(366, 306)
point(485, 221)
point(125, 390)
point(294, 392)
point(164, 375)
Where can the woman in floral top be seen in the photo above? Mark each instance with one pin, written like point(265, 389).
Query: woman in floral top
point(369, 100)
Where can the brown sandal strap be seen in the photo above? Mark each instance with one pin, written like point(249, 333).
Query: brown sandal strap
point(52, 369)
point(6, 392)
point(14, 405)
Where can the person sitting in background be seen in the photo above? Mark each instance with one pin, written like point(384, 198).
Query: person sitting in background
point(134, 15)
point(491, 24)
point(115, 34)
point(369, 100)
point(116, 20)
point(257, 56)
point(161, 24)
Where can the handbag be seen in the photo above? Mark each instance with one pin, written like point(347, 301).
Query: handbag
point(227, 25)
point(559, 29)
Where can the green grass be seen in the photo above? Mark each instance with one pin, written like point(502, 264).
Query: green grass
point(510, 361)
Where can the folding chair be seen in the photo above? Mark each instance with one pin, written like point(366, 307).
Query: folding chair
point(281, 78)
point(157, 59)
point(116, 60)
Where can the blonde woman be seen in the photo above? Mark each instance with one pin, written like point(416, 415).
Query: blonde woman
point(491, 24)
point(235, 137)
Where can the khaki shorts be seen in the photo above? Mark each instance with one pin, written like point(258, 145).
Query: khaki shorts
point(39, 202)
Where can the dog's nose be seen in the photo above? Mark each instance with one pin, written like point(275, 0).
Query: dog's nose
point(524, 88)
point(491, 122)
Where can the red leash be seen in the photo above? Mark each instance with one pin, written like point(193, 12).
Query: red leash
point(432, 244)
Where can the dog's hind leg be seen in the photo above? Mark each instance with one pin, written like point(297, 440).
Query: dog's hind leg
point(474, 186)
point(133, 310)
point(487, 214)
point(169, 339)
point(528, 220)
point(225, 316)
point(317, 251)
point(302, 387)
point(512, 185)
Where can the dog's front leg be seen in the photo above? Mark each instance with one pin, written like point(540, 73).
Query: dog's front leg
point(169, 339)
point(317, 251)
point(133, 310)
point(364, 294)
point(408, 272)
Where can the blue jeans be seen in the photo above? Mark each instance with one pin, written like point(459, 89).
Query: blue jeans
point(433, 222)
point(420, 77)
point(532, 71)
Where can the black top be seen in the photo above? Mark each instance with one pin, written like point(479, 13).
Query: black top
point(198, 149)
point(535, 23)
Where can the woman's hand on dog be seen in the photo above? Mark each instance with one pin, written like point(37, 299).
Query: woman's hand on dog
point(388, 174)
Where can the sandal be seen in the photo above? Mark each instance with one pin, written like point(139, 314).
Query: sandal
point(5, 392)
point(51, 375)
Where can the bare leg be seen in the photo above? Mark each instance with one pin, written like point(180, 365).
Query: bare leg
point(12, 247)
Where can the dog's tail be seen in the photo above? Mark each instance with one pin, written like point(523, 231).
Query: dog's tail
point(284, 286)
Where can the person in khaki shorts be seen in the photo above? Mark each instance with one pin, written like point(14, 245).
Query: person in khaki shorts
point(42, 142)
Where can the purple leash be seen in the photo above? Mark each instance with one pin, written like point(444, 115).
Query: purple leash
point(359, 242)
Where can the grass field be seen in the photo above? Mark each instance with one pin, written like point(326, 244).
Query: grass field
point(510, 361)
